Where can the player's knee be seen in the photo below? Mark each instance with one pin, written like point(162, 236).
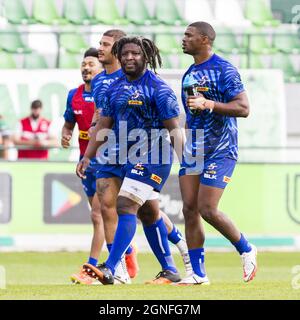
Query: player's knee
point(147, 219)
point(107, 209)
point(126, 205)
point(190, 212)
point(148, 215)
point(208, 212)
point(96, 217)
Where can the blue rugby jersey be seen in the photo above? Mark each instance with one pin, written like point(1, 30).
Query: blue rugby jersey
point(101, 82)
point(142, 104)
point(218, 80)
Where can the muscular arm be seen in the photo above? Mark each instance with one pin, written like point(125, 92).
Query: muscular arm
point(237, 107)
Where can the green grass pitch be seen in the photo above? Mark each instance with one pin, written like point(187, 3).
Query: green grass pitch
point(46, 276)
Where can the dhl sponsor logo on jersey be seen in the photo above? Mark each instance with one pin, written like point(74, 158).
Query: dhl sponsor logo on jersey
point(202, 89)
point(156, 178)
point(226, 179)
point(83, 135)
point(135, 102)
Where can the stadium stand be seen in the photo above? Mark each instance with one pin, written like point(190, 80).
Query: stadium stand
point(167, 43)
point(35, 60)
point(106, 12)
point(230, 13)
point(258, 12)
point(45, 12)
point(283, 10)
point(76, 12)
point(68, 60)
point(166, 12)
point(226, 42)
point(11, 41)
point(73, 42)
point(7, 61)
point(200, 10)
point(15, 12)
point(137, 13)
point(51, 33)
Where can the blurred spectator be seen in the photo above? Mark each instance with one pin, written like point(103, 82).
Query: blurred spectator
point(4, 139)
point(35, 133)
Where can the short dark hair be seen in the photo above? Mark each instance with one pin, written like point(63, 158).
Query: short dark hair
point(206, 29)
point(117, 34)
point(149, 49)
point(36, 104)
point(91, 52)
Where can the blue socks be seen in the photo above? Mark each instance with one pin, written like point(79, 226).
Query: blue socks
point(242, 245)
point(92, 261)
point(157, 236)
point(197, 261)
point(128, 251)
point(123, 237)
point(175, 235)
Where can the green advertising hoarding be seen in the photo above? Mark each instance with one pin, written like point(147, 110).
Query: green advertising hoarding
point(262, 199)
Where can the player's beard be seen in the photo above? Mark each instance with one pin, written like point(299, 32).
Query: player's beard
point(34, 117)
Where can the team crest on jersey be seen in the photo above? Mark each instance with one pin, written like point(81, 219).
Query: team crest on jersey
point(139, 166)
point(202, 84)
point(78, 111)
point(204, 80)
point(212, 166)
point(133, 99)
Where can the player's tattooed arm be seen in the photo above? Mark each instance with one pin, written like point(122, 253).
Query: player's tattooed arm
point(66, 134)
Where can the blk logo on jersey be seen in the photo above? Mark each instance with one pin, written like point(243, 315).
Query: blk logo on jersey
point(137, 172)
point(210, 176)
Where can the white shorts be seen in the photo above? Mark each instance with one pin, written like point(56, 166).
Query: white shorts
point(137, 191)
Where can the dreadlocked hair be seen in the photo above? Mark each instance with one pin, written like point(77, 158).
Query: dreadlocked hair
point(149, 49)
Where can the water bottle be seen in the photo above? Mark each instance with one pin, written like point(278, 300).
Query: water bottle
point(190, 85)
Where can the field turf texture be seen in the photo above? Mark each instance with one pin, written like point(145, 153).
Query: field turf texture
point(46, 276)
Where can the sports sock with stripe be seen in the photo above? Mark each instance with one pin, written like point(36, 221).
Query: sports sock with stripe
point(157, 236)
point(123, 237)
point(197, 261)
